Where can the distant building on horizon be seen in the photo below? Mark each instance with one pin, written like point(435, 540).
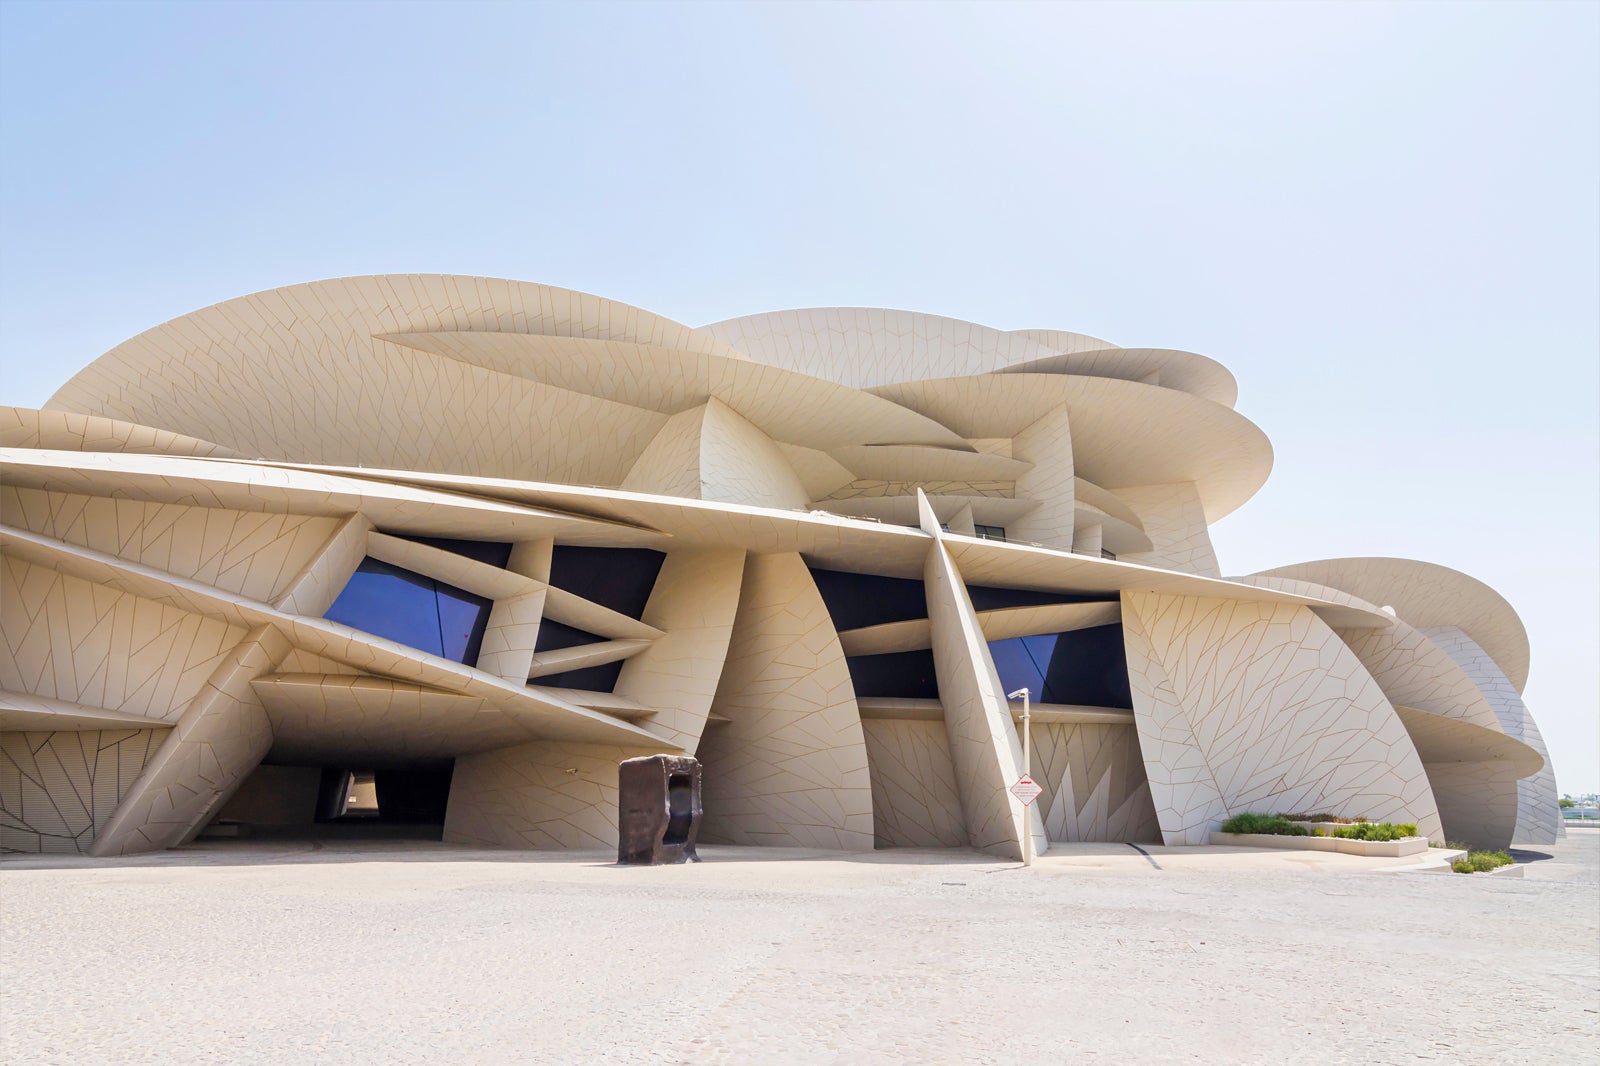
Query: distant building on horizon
point(439, 552)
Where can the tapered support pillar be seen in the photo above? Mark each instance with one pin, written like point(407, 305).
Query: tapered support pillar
point(983, 741)
point(221, 737)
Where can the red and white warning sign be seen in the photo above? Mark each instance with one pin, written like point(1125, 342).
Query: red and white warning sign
point(1026, 789)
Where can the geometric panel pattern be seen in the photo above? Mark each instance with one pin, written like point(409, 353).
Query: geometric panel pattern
point(57, 789)
point(788, 766)
point(164, 599)
point(1175, 520)
point(915, 800)
point(1260, 707)
point(221, 737)
point(983, 742)
point(1538, 812)
point(694, 601)
point(547, 794)
point(1094, 783)
point(252, 553)
point(71, 639)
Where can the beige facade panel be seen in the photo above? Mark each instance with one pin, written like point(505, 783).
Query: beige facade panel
point(222, 735)
point(256, 554)
point(694, 603)
point(1123, 433)
point(910, 463)
point(795, 408)
point(1429, 595)
point(916, 802)
point(66, 638)
point(1539, 818)
point(1174, 519)
point(789, 766)
point(1164, 367)
point(1094, 782)
point(543, 715)
point(983, 743)
point(313, 590)
point(866, 346)
point(1047, 445)
point(24, 712)
point(23, 427)
point(360, 720)
point(401, 508)
point(1256, 707)
point(57, 789)
point(541, 795)
point(290, 373)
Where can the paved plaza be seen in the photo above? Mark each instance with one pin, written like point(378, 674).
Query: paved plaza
point(386, 952)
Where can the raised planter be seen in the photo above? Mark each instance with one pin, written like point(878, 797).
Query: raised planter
point(1388, 849)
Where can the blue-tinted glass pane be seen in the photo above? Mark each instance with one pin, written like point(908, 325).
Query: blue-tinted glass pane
point(387, 601)
point(413, 610)
point(462, 620)
point(1090, 667)
point(1016, 667)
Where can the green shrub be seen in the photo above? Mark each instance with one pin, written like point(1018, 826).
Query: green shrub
point(1377, 831)
point(1272, 824)
point(1481, 862)
point(1322, 817)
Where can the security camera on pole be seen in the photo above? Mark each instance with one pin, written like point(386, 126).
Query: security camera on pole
point(1026, 789)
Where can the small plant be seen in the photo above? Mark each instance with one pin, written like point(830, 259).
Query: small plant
point(1322, 816)
point(1481, 862)
point(1377, 831)
point(1450, 845)
point(1271, 824)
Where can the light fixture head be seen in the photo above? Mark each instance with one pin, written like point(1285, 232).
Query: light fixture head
point(1017, 695)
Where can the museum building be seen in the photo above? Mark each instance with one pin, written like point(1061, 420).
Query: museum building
point(431, 555)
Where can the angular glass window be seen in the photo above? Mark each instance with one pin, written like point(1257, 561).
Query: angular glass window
point(410, 609)
point(1084, 667)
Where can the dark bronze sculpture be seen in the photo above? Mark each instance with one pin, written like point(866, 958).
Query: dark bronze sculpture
point(659, 816)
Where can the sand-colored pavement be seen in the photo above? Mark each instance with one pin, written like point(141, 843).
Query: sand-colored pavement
point(385, 952)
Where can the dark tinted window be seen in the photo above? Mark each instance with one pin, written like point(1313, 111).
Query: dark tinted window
point(413, 610)
point(494, 553)
point(901, 674)
point(618, 578)
point(1087, 667)
point(857, 600)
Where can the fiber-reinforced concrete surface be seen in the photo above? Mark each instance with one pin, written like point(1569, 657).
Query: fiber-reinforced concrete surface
point(423, 953)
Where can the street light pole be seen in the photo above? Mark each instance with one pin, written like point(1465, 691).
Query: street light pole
point(1027, 770)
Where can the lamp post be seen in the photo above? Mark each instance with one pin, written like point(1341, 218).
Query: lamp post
point(1027, 771)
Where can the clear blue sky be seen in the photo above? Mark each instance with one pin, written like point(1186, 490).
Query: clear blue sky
point(1381, 217)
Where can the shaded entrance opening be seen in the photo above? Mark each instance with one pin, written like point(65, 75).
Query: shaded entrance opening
point(405, 802)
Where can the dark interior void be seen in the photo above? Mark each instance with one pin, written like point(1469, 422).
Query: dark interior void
point(901, 674)
point(492, 552)
point(855, 601)
point(680, 808)
point(1087, 667)
point(405, 801)
point(618, 578)
point(986, 598)
point(858, 600)
point(410, 609)
point(410, 796)
point(553, 636)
